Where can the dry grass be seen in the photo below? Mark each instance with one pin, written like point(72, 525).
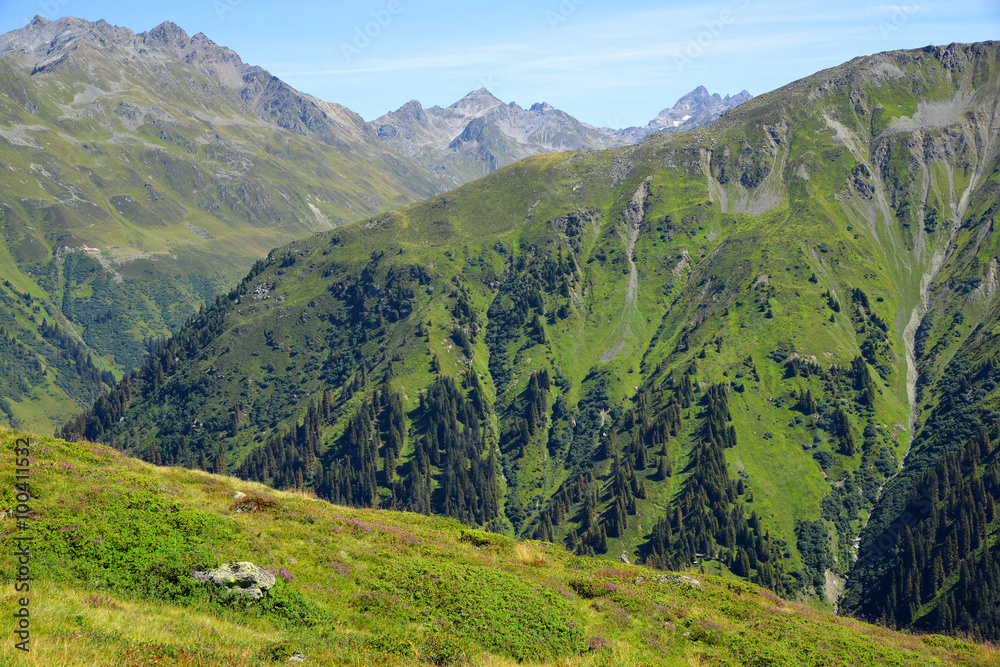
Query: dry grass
point(72, 627)
point(528, 555)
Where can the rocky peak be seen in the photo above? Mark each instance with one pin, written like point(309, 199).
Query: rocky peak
point(166, 34)
point(42, 37)
point(476, 103)
point(172, 40)
point(697, 108)
point(696, 100)
point(412, 110)
point(45, 40)
point(701, 92)
point(738, 98)
point(203, 51)
point(411, 107)
point(48, 47)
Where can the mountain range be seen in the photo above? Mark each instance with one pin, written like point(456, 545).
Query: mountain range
point(144, 173)
point(479, 133)
point(765, 348)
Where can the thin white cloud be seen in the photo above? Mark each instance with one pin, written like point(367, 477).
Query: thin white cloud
point(584, 59)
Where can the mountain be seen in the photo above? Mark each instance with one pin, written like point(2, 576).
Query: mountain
point(767, 346)
point(479, 133)
point(696, 109)
point(361, 587)
point(141, 175)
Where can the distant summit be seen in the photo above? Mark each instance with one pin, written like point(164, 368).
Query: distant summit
point(696, 109)
point(480, 133)
point(477, 102)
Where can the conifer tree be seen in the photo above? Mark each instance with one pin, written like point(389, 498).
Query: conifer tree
point(219, 467)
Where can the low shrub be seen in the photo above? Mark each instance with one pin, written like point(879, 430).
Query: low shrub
point(254, 503)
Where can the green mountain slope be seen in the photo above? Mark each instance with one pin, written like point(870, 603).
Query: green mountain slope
point(178, 165)
point(362, 587)
point(713, 349)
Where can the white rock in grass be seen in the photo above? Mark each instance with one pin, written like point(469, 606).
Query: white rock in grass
point(243, 578)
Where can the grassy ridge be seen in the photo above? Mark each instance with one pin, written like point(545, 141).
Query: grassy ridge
point(363, 587)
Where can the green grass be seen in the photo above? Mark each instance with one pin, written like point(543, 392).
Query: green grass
point(115, 538)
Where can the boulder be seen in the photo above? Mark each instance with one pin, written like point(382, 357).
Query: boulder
point(241, 578)
point(678, 580)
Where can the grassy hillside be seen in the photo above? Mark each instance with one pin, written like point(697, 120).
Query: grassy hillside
point(178, 166)
point(715, 347)
point(115, 541)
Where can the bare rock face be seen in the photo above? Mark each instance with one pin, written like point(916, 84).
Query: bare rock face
point(241, 578)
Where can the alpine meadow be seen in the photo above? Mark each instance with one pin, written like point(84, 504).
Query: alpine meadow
point(727, 395)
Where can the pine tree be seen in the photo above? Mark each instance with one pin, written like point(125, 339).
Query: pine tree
point(741, 567)
point(608, 446)
point(327, 405)
point(219, 467)
point(847, 444)
point(389, 465)
point(234, 423)
point(641, 457)
point(182, 452)
point(661, 469)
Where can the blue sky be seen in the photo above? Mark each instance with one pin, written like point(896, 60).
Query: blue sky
point(608, 63)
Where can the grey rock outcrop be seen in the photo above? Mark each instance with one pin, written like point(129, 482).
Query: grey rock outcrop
point(242, 578)
point(677, 580)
